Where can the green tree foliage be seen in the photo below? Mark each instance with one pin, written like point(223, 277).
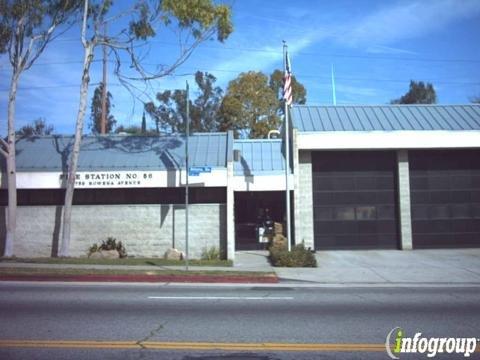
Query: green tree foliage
point(250, 106)
point(38, 127)
point(253, 103)
point(144, 123)
point(197, 16)
point(169, 115)
point(96, 111)
point(204, 113)
point(26, 28)
point(419, 93)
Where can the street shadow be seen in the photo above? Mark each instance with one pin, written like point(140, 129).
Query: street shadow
point(165, 149)
point(239, 356)
point(63, 149)
point(223, 231)
point(3, 228)
point(247, 172)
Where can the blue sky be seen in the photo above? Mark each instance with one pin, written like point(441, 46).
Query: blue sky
point(376, 47)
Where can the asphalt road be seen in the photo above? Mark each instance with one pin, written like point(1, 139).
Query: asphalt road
point(45, 321)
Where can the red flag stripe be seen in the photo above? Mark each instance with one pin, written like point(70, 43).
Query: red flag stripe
point(287, 82)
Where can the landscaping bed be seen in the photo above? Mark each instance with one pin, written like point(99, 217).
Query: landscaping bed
point(128, 275)
point(120, 261)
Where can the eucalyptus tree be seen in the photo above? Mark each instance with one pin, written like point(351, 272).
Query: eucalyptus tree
point(418, 93)
point(169, 114)
point(26, 28)
point(193, 21)
point(97, 111)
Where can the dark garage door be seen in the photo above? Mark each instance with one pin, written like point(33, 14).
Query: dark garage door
point(445, 196)
point(354, 200)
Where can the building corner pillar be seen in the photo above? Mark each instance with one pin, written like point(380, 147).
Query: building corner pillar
point(302, 194)
point(404, 204)
point(230, 206)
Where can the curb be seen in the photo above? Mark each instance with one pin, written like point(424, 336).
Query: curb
point(205, 279)
point(245, 284)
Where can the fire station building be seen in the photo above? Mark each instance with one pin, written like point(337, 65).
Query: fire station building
point(361, 177)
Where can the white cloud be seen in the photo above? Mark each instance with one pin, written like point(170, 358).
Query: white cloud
point(406, 20)
point(261, 59)
point(379, 49)
point(356, 91)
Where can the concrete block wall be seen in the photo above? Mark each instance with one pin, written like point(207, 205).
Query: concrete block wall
point(404, 203)
point(303, 199)
point(146, 230)
point(230, 213)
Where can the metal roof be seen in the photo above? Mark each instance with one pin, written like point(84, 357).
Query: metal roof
point(259, 157)
point(121, 152)
point(386, 117)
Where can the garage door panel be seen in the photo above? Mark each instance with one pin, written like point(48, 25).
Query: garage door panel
point(386, 212)
point(474, 227)
point(462, 226)
point(465, 240)
point(475, 196)
point(367, 227)
point(386, 227)
point(343, 182)
point(325, 198)
point(419, 196)
point(354, 200)
point(439, 197)
point(385, 197)
point(476, 181)
point(419, 182)
point(445, 193)
point(347, 197)
point(365, 197)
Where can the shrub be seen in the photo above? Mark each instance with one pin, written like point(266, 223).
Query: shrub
point(110, 244)
point(298, 257)
point(211, 253)
point(92, 249)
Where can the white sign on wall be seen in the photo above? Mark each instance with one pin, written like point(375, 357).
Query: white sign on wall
point(113, 179)
point(119, 179)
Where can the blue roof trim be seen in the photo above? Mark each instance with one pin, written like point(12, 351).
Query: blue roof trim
point(259, 157)
point(385, 117)
point(121, 152)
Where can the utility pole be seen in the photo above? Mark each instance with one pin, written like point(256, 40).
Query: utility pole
point(103, 123)
point(187, 133)
point(334, 94)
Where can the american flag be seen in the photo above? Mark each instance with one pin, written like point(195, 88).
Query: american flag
point(287, 81)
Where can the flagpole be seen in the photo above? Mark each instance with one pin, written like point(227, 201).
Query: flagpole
point(187, 133)
point(288, 231)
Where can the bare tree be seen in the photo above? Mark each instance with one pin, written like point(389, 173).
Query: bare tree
point(26, 28)
point(193, 21)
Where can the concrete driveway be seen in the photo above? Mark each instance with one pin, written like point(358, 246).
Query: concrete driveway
point(445, 266)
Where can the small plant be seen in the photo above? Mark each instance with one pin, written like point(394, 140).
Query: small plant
point(298, 257)
point(92, 249)
point(212, 253)
point(110, 244)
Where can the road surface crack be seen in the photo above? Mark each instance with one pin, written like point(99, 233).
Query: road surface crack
point(153, 332)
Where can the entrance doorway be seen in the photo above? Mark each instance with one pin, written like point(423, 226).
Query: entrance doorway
point(251, 209)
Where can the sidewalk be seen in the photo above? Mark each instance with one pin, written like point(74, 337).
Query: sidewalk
point(439, 266)
point(363, 268)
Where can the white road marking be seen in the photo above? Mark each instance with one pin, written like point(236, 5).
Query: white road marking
point(220, 298)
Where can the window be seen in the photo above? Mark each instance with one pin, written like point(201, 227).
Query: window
point(366, 212)
point(345, 213)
